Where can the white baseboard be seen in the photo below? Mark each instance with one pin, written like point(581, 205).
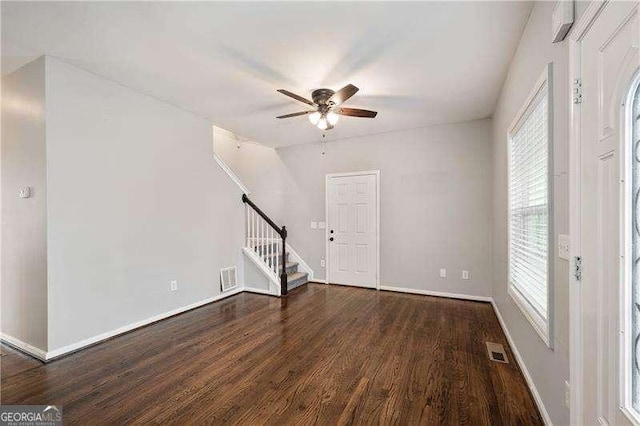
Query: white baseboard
point(437, 293)
point(259, 291)
point(523, 367)
point(24, 347)
point(48, 356)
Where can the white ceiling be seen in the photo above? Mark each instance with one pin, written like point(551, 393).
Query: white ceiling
point(418, 64)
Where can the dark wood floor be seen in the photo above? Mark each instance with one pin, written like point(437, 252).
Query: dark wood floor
point(325, 355)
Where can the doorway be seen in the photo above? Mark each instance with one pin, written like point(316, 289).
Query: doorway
point(604, 61)
point(353, 222)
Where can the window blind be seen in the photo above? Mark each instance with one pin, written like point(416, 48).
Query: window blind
point(529, 208)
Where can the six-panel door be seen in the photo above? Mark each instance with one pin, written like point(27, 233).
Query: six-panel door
point(352, 229)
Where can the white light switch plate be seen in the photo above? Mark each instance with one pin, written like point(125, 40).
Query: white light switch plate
point(443, 273)
point(314, 225)
point(322, 263)
point(563, 246)
point(465, 275)
point(322, 225)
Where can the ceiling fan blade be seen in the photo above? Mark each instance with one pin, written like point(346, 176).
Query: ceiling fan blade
point(295, 114)
point(343, 94)
point(296, 97)
point(355, 112)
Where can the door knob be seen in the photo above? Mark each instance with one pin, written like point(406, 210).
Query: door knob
point(331, 231)
point(331, 239)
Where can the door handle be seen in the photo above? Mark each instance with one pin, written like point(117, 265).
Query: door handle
point(331, 231)
point(331, 239)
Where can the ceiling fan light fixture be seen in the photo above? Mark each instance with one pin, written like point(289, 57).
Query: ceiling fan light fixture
point(327, 106)
point(332, 118)
point(323, 123)
point(314, 118)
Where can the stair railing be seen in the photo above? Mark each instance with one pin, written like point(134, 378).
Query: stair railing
point(268, 241)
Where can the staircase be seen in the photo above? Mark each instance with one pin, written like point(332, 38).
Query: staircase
point(266, 252)
point(266, 242)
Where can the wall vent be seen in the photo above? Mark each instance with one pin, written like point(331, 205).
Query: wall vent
point(497, 353)
point(228, 278)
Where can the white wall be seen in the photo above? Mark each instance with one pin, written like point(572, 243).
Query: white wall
point(435, 191)
point(135, 200)
point(24, 250)
point(254, 278)
point(548, 368)
point(260, 168)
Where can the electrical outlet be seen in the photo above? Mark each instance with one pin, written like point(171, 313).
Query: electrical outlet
point(443, 273)
point(567, 394)
point(173, 285)
point(322, 263)
point(465, 275)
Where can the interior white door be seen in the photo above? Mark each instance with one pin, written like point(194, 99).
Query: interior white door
point(352, 229)
point(608, 58)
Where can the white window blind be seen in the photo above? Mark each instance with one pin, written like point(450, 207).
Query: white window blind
point(529, 210)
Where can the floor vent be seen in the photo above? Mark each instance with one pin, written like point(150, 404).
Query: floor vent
point(497, 353)
point(228, 278)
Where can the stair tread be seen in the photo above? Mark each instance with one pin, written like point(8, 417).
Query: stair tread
point(296, 275)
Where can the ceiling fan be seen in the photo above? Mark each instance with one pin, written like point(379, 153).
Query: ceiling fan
point(326, 103)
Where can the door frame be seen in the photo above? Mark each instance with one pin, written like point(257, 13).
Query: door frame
point(375, 173)
point(576, 354)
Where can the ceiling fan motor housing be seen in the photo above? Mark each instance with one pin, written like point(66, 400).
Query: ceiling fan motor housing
point(320, 96)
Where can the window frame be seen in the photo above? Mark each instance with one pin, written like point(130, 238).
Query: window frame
point(544, 328)
point(626, 267)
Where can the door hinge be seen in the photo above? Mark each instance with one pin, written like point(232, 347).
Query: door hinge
point(577, 91)
point(577, 265)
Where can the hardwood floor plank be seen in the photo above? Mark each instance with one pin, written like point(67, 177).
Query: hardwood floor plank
point(323, 355)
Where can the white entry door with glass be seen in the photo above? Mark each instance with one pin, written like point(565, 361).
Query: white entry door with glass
point(605, 216)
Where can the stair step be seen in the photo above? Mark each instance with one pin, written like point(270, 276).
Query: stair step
point(296, 279)
point(291, 267)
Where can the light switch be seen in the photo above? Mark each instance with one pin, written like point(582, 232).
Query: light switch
point(443, 273)
point(314, 225)
point(465, 275)
point(322, 225)
point(563, 246)
point(25, 192)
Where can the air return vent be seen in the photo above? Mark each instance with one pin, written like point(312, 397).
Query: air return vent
point(496, 352)
point(228, 278)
